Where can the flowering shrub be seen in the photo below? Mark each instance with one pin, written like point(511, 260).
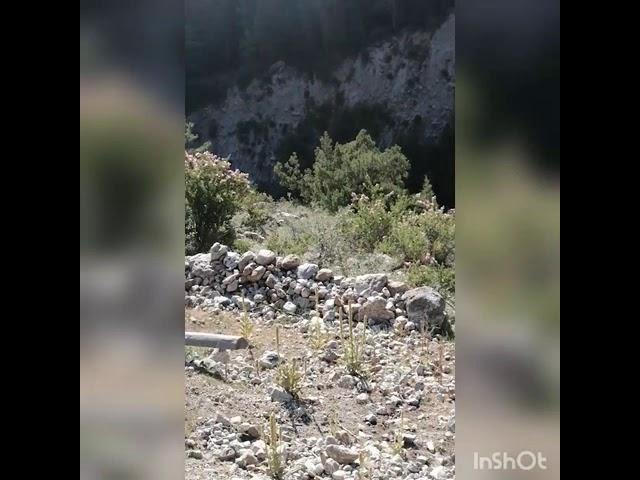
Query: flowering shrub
point(214, 192)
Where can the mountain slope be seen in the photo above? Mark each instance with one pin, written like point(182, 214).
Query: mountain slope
point(401, 90)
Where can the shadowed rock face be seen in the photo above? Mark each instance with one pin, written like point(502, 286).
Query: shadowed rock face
point(401, 90)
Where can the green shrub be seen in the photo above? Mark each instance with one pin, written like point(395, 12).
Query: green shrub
point(427, 188)
point(427, 236)
point(340, 170)
point(242, 245)
point(439, 229)
point(191, 140)
point(369, 221)
point(255, 213)
point(290, 176)
point(406, 239)
point(440, 277)
point(331, 248)
point(213, 194)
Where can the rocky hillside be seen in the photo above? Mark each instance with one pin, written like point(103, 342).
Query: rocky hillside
point(401, 90)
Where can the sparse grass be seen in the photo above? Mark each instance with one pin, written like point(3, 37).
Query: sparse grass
point(317, 335)
point(424, 350)
point(360, 263)
point(335, 412)
point(400, 330)
point(398, 438)
point(364, 469)
point(289, 377)
point(440, 363)
point(311, 233)
point(275, 460)
point(333, 423)
point(190, 423)
point(289, 241)
point(242, 245)
point(256, 366)
point(246, 325)
point(353, 346)
point(398, 443)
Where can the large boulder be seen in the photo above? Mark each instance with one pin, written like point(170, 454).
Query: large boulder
point(270, 359)
point(341, 454)
point(324, 275)
point(397, 287)
point(230, 279)
point(218, 251)
point(200, 265)
point(307, 271)
point(265, 257)
point(231, 260)
point(375, 310)
point(245, 260)
point(290, 262)
point(424, 304)
point(373, 282)
point(257, 273)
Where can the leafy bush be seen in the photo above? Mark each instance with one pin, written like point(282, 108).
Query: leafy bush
point(341, 170)
point(439, 229)
point(213, 194)
point(410, 227)
point(242, 245)
point(421, 233)
point(406, 239)
point(427, 190)
point(255, 212)
point(370, 221)
point(440, 277)
point(191, 140)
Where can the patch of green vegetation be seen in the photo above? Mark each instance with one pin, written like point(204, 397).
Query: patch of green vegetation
point(441, 277)
point(213, 195)
point(340, 122)
point(343, 170)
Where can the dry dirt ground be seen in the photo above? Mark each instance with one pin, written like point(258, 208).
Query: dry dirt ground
point(324, 407)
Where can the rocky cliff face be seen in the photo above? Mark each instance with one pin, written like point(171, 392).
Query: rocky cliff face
point(399, 89)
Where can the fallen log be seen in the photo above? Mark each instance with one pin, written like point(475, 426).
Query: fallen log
point(214, 340)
